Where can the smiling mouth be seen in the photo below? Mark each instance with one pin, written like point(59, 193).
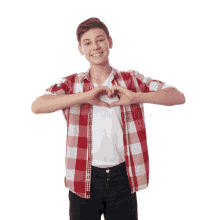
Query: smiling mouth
point(97, 54)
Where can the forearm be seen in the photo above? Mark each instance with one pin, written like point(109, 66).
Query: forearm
point(168, 97)
point(52, 103)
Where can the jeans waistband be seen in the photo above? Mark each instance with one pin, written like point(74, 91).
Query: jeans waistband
point(114, 168)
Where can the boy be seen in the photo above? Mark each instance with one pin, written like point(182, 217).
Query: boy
point(106, 149)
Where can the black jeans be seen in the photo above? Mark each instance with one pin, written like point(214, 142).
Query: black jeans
point(110, 194)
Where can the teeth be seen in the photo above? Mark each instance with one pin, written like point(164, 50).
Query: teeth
point(97, 54)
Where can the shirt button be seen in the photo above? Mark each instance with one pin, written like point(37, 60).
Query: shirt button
point(107, 171)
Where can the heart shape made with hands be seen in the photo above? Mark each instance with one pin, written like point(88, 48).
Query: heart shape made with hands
point(126, 97)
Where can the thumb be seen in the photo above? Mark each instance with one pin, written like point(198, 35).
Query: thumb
point(104, 104)
point(114, 104)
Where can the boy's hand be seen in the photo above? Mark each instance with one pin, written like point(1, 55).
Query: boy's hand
point(93, 97)
point(127, 97)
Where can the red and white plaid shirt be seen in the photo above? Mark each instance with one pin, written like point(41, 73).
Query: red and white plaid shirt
point(79, 130)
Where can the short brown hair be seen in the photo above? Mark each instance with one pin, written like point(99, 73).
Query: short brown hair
point(89, 24)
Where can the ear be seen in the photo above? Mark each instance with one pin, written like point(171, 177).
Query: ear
point(80, 49)
point(110, 42)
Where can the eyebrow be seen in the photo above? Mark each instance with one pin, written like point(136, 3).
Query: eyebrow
point(96, 37)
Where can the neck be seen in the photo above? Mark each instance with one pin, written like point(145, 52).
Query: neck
point(100, 71)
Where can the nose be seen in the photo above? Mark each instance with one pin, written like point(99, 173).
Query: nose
point(95, 46)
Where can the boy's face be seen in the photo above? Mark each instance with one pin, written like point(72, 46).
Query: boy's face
point(95, 46)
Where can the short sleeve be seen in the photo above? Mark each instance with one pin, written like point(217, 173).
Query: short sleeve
point(61, 88)
point(146, 84)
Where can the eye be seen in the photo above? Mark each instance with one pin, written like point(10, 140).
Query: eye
point(101, 40)
point(87, 43)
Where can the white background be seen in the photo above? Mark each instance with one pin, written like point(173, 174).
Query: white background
point(176, 42)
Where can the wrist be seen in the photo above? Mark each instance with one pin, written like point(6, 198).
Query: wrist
point(86, 96)
point(137, 97)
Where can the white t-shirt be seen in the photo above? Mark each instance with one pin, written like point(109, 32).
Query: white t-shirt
point(107, 133)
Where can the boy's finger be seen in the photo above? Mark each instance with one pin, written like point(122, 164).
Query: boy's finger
point(105, 104)
point(115, 104)
point(110, 93)
point(106, 91)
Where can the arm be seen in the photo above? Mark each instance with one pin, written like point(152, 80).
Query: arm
point(150, 92)
point(52, 103)
point(168, 97)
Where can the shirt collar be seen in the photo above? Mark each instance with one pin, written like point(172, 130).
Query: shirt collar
point(86, 75)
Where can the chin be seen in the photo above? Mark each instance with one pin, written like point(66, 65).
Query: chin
point(98, 62)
